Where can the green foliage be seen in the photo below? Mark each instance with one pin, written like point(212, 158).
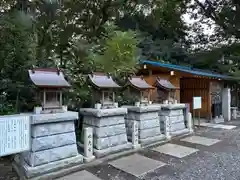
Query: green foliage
point(162, 29)
point(125, 98)
point(222, 18)
point(82, 36)
point(17, 55)
point(120, 54)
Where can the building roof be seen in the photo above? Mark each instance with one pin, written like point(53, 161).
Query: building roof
point(48, 77)
point(190, 70)
point(139, 83)
point(101, 80)
point(165, 84)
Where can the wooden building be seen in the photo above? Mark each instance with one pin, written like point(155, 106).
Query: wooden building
point(103, 91)
point(136, 86)
point(188, 83)
point(50, 83)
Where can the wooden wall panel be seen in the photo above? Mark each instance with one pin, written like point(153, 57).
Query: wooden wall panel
point(191, 87)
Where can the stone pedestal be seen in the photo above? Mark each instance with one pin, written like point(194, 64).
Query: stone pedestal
point(226, 104)
point(148, 123)
point(234, 113)
point(109, 131)
point(53, 145)
point(189, 122)
point(174, 120)
point(88, 144)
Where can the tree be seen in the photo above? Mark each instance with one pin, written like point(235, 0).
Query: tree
point(17, 55)
point(221, 37)
point(162, 28)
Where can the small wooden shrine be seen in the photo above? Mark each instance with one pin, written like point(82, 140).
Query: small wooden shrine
point(104, 88)
point(166, 90)
point(137, 86)
point(50, 84)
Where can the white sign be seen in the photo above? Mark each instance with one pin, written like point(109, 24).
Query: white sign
point(197, 102)
point(14, 134)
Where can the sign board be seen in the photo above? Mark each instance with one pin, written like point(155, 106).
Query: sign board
point(14, 134)
point(197, 102)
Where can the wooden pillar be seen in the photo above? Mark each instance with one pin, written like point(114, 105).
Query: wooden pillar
point(150, 72)
point(113, 96)
point(60, 99)
point(44, 98)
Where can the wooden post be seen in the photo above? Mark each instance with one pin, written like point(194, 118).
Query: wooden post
point(193, 117)
point(44, 98)
point(113, 96)
point(61, 99)
point(199, 112)
point(102, 97)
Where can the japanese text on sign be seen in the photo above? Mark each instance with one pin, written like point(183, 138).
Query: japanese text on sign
point(14, 134)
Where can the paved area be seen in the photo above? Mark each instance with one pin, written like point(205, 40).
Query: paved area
point(84, 175)
point(211, 154)
point(175, 150)
point(201, 140)
point(218, 126)
point(136, 164)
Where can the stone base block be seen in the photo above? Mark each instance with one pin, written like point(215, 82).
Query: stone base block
point(150, 140)
point(103, 121)
point(141, 116)
point(143, 124)
point(106, 131)
point(26, 172)
point(138, 146)
point(180, 132)
point(111, 150)
point(146, 133)
point(103, 143)
point(50, 155)
point(177, 127)
point(218, 120)
point(88, 159)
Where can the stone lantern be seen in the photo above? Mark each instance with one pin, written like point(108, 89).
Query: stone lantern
point(136, 85)
point(50, 84)
point(104, 89)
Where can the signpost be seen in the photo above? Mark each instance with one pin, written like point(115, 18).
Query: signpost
point(14, 134)
point(197, 105)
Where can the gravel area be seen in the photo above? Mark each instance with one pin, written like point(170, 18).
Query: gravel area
point(6, 171)
point(220, 161)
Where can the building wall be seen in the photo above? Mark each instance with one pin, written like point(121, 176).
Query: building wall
point(175, 80)
point(193, 87)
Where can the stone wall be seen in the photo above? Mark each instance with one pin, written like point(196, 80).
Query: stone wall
point(53, 141)
point(173, 119)
point(109, 131)
point(148, 123)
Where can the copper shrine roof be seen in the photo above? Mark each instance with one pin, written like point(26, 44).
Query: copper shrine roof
point(166, 84)
point(48, 78)
point(139, 82)
point(103, 81)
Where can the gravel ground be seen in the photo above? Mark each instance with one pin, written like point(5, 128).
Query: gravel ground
point(217, 162)
point(6, 172)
